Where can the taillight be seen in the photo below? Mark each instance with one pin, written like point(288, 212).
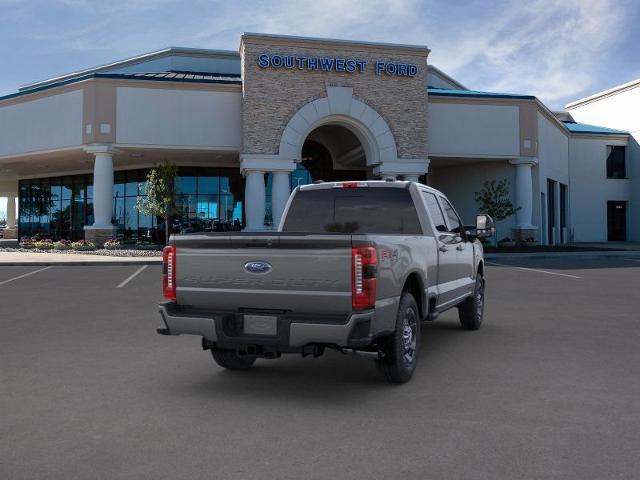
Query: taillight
point(364, 261)
point(169, 272)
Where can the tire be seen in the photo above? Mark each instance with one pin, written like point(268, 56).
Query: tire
point(401, 348)
point(471, 311)
point(230, 359)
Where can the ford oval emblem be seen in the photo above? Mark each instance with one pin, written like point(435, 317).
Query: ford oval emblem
point(257, 266)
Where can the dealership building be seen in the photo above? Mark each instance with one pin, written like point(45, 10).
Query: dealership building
point(246, 127)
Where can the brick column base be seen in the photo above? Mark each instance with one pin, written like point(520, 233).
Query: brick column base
point(98, 235)
point(10, 233)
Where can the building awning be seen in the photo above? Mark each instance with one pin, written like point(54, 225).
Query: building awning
point(475, 93)
point(575, 127)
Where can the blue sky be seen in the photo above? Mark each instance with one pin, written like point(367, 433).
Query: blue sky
point(557, 50)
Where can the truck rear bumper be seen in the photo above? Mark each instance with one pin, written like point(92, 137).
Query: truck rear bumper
point(293, 332)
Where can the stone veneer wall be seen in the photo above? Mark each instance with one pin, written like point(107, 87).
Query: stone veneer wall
point(271, 96)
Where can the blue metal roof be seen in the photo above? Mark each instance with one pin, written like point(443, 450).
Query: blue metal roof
point(575, 127)
point(173, 76)
point(444, 92)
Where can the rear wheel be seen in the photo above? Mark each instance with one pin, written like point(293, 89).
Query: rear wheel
point(401, 348)
point(230, 359)
point(471, 311)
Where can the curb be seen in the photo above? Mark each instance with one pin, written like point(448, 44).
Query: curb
point(593, 254)
point(81, 263)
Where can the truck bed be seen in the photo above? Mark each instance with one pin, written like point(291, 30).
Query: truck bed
point(308, 273)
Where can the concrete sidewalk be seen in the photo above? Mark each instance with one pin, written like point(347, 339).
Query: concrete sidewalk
point(32, 258)
point(585, 254)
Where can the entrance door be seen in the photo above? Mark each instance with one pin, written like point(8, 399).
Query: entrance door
point(617, 221)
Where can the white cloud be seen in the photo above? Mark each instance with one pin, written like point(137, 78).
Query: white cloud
point(551, 48)
point(543, 47)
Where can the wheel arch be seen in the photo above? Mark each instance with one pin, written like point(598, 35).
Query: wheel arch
point(414, 283)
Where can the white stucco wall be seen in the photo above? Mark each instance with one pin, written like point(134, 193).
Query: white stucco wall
point(464, 129)
point(41, 124)
point(553, 158)
point(590, 189)
point(620, 110)
point(190, 118)
point(460, 182)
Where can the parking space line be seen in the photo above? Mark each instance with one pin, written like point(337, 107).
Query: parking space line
point(534, 270)
point(132, 276)
point(25, 275)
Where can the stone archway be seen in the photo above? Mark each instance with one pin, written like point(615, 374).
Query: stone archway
point(340, 108)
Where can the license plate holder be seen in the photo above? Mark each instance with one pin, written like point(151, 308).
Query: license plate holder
point(260, 324)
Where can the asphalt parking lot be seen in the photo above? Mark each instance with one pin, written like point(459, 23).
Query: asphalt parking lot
point(548, 388)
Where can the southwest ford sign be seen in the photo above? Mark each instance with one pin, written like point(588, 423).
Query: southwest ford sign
point(331, 64)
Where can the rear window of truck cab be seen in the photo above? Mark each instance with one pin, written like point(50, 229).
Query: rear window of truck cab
point(353, 210)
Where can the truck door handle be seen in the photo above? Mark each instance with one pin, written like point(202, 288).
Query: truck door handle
point(460, 248)
point(443, 248)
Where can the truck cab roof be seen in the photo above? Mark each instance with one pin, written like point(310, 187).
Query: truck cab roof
point(364, 184)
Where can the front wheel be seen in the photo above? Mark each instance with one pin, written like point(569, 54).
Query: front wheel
point(401, 348)
point(230, 359)
point(471, 311)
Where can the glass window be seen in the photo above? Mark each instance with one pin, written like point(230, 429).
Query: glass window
point(79, 187)
point(435, 212)
point(119, 179)
point(67, 188)
point(616, 162)
point(186, 184)
point(364, 210)
point(90, 186)
point(130, 217)
point(60, 206)
point(131, 185)
point(119, 214)
point(455, 225)
point(209, 185)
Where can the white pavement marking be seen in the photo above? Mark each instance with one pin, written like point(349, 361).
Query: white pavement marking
point(534, 270)
point(25, 275)
point(131, 277)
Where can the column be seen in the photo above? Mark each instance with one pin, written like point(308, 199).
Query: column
point(524, 197)
point(11, 232)
point(279, 196)
point(102, 228)
point(11, 212)
point(254, 199)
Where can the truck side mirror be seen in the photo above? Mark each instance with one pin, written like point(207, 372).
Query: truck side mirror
point(484, 226)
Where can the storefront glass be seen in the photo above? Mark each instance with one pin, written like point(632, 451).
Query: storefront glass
point(209, 199)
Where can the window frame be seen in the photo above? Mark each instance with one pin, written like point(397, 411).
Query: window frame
point(625, 173)
point(443, 199)
point(431, 219)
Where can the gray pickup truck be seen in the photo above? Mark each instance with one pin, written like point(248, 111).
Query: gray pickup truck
point(354, 266)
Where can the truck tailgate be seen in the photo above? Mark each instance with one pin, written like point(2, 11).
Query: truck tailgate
point(307, 274)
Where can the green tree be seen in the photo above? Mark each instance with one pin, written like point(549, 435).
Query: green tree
point(160, 199)
point(494, 200)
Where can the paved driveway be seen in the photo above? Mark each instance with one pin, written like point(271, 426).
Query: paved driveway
point(548, 388)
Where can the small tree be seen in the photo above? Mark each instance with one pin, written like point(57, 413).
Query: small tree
point(160, 199)
point(494, 200)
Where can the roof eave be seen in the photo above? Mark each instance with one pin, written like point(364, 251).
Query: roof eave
point(603, 94)
point(129, 61)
